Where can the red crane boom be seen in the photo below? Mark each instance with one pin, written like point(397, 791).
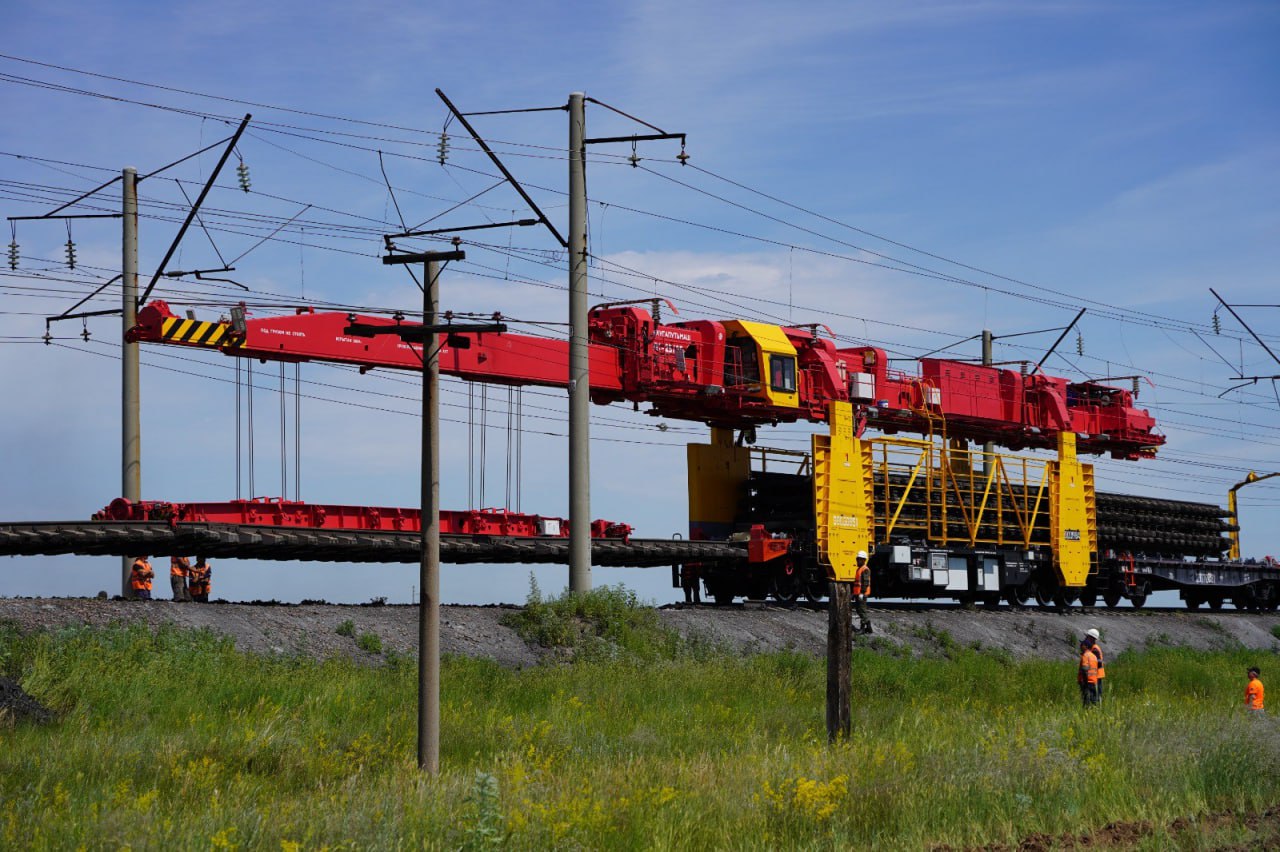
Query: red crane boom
point(730, 373)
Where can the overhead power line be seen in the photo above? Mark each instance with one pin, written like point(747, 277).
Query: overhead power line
point(251, 229)
point(907, 246)
point(1153, 319)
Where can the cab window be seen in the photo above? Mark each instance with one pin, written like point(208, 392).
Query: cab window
point(782, 373)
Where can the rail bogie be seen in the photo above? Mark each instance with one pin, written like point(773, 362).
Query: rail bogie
point(989, 578)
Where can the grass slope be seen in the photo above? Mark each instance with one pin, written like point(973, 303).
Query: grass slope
point(176, 740)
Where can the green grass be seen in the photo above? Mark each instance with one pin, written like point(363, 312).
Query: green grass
point(608, 623)
point(369, 642)
point(176, 740)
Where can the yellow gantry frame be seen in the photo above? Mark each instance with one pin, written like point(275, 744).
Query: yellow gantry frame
point(934, 490)
point(867, 490)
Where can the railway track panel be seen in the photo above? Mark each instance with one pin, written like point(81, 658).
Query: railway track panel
point(321, 545)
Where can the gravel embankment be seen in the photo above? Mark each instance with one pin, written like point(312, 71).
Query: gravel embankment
point(476, 631)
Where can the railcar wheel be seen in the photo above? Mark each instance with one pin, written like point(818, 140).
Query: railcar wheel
point(1192, 601)
point(1215, 603)
point(785, 588)
point(1138, 599)
point(1111, 598)
point(721, 591)
point(1265, 599)
point(1044, 596)
point(991, 601)
point(1089, 598)
point(815, 590)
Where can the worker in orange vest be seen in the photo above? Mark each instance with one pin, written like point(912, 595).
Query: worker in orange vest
point(199, 580)
point(178, 568)
point(1253, 692)
point(1092, 637)
point(861, 591)
point(1087, 676)
point(140, 578)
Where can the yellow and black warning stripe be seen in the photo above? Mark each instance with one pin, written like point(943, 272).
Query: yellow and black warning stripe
point(196, 332)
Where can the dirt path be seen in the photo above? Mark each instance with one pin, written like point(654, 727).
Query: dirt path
point(476, 631)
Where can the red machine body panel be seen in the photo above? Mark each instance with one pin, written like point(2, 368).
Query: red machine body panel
point(698, 371)
point(971, 391)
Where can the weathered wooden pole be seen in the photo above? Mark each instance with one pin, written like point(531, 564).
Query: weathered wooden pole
point(839, 660)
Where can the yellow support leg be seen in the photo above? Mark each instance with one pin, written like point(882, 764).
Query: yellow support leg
point(717, 473)
point(842, 494)
point(1073, 514)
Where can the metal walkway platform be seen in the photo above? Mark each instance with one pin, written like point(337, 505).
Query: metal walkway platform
point(109, 538)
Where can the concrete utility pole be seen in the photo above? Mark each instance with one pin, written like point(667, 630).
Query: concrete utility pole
point(988, 448)
point(579, 346)
point(130, 419)
point(429, 573)
point(579, 357)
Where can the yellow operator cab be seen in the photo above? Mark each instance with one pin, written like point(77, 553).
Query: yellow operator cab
point(760, 354)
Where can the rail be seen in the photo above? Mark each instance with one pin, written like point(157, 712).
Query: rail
point(131, 538)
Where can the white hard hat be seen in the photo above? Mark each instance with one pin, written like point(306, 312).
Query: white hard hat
point(1093, 631)
point(862, 554)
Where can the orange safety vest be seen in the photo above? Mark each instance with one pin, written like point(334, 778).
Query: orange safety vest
point(1253, 694)
point(199, 582)
point(1088, 667)
point(140, 575)
point(862, 581)
point(178, 566)
point(1097, 652)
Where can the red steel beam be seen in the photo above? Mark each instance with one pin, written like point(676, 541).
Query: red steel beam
point(275, 512)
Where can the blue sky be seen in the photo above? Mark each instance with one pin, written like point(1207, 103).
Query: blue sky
point(1117, 156)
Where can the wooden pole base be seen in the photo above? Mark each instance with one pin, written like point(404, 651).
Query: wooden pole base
point(839, 660)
